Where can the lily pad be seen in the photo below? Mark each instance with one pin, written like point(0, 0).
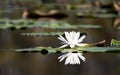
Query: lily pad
point(105, 15)
point(115, 42)
point(47, 34)
point(16, 24)
point(77, 49)
point(43, 34)
point(25, 23)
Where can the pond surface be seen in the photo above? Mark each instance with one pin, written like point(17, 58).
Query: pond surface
point(13, 63)
point(12, 39)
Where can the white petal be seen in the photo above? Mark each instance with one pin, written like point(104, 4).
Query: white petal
point(62, 57)
point(62, 39)
point(68, 37)
point(81, 57)
point(81, 44)
point(76, 59)
point(63, 46)
point(72, 35)
point(63, 42)
point(72, 58)
point(72, 45)
point(76, 37)
point(81, 38)
point(68, 59)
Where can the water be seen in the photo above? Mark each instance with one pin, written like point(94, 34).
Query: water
point(14, 63)
point(14, 39)
point(37, 64)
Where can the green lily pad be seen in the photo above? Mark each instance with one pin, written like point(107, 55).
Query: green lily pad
point(78, 49)
point(16, 24)
point(25, 23)
point(105, 15)
point(43, 34)
point(46, 34)
point(115, 42)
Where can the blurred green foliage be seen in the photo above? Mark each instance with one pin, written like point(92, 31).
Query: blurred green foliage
point(26, 23)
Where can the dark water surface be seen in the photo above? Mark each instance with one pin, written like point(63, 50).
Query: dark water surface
point(13, 63)
point(14, 39)
point(37, 64)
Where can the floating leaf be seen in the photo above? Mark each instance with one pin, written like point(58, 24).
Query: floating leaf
point(105, 15)
point(100, 49)
point(43, 34)
point(16, 24)
point(64, 26)
point(47, 34)
point(24, 23)
point(89, 26)
point(77, 49)
point(95, 15)
point(52, 25)
point(39, 49)
point(115, 42)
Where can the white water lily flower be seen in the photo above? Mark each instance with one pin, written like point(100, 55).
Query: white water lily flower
point(71, 39)
point(72, 58)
